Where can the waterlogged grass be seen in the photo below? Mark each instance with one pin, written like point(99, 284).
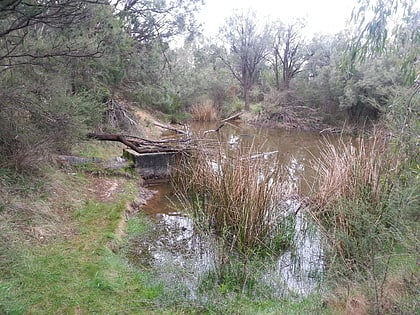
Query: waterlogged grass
point(235, 193)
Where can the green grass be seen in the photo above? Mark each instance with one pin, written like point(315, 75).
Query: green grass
point(84, 274)
point(103, 150)
point(80, 274)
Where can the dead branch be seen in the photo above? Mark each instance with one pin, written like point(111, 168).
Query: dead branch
point(170, 128)
point(232, 117)
point(214, 130)
point(143, 145)
point(111, 137)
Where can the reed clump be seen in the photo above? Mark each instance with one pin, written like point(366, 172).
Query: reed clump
point(204, 111)
point(351, 201)
point(233, 193)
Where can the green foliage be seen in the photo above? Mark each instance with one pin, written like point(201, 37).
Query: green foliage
point(365, 205)
point(372, 19)
point(374, 37)
point(42, 118)
point(369, 90)
point(33, 33)
point(147, 20)
point(403, 118)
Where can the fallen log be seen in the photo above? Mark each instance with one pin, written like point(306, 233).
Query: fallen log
point(141, 145)
point(112, 137)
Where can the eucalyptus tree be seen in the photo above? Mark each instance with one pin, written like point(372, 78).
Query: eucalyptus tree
point(373, 22)
point(289, 54)
point(245, 47)
point(147, 20)
point(154, 25)
point(33, 31)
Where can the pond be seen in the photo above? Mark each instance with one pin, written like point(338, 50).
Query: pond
point(183, 257)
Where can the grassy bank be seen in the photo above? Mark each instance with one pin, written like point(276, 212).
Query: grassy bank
point(71, 269)
point(62, 252)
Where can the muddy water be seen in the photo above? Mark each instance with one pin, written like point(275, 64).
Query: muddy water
point(181, 255)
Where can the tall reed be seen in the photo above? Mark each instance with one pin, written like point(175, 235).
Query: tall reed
point(351, 201)
point(204, 111)
point(233, 193)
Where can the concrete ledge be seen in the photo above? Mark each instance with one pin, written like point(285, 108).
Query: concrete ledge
point(152, 165)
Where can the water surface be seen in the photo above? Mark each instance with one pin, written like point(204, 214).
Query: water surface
point(183, 255)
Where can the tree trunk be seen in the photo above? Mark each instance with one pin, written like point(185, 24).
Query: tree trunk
point(276, 70)
point(246, 97)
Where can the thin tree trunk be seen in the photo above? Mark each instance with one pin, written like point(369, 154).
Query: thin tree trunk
point(246, 97)
point(276, 71)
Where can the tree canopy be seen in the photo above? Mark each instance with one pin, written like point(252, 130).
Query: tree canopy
point(62, 61)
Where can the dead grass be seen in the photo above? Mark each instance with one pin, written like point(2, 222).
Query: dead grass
point(204, 111)
point(354, 172)
point(347, 169)
point(235, 194)
point(349, 302)
point(351, 200)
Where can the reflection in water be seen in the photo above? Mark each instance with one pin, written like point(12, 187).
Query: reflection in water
point(183, 255)
point(180, 253)
point(298, 270)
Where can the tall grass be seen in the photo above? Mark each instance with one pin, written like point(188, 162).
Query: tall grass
point(233, 193)
point(361, 204)
point(355, 182)
point(350, 168)
point(204, 111)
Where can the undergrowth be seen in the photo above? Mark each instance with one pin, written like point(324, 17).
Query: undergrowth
point(364, 203)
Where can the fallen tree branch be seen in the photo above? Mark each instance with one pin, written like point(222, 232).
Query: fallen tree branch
point(170, 128)
point(111, 137)
point(214, 130)
point(232, 117)
point(141, 145)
